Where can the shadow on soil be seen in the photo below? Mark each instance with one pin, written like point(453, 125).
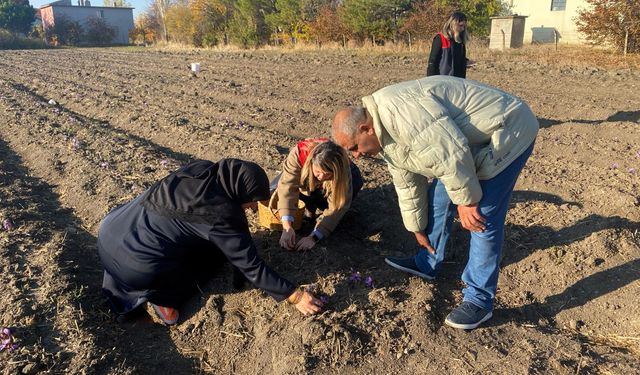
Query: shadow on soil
point(78, 263)
point(620, 116)
point(362, 241)
point(576, 295)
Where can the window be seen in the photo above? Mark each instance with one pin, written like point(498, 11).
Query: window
point(558, 5)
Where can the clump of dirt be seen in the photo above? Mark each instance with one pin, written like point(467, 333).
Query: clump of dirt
point(85, 130)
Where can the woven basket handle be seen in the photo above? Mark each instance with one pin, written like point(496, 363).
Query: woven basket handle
point(273, 210)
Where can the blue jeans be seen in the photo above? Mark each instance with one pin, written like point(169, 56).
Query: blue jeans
point(481, 272)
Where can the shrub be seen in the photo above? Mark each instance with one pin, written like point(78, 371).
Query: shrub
point(64, 32)
point(9, 40)
point(99, 31)
point(610, 21)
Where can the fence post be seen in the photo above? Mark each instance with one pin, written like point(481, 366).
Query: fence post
point(409, 40)
point(503, 39)
point(626, 41)
point(555, 36)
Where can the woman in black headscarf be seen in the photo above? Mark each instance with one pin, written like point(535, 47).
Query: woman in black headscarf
point(157, 247)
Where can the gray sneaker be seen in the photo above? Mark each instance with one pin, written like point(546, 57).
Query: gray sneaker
point(467, 316)
point(407, 265)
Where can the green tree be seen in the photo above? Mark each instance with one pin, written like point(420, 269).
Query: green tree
point(374, 19)
point(612, 22)
point(478, 13)
point(287, 18)
point(16, 15)
point(248, 27)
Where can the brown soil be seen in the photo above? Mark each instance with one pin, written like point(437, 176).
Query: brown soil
point(84, 130)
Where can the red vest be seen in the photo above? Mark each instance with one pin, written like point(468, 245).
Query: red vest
point(303, 148)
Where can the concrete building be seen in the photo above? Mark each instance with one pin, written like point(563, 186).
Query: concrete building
point(548, 19)
point(121, 19)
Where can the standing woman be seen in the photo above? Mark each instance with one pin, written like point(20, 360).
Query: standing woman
point(178, 233)
point(318, 172)
point(448, 52)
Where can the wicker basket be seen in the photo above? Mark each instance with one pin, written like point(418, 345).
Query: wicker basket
point(268, 214)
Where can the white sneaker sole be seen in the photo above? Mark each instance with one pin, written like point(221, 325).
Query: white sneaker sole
point(409, 270)
point(468, 326)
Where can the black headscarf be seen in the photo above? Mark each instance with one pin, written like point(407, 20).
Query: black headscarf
point(209, 193)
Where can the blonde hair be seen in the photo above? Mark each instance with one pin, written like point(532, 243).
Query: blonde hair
point(447, 29)
point(329, 157)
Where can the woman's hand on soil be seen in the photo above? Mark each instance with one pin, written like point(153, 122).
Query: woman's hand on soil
point(309, 304)
point(288, 239)
point(470, 218)
point(306, 243)
point(423, 240)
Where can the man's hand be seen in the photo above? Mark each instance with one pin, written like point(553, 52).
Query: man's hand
point(470, 218)
point(309, 304)
point(288, 237)
point(306, 243)
point(423, 240)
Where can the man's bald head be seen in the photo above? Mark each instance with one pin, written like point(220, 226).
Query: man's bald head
point(353, 129)
point(346, 121)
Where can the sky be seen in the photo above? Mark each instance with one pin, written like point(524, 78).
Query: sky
point(139, 5)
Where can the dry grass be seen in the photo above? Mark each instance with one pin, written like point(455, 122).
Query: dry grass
point(627, 343)
point(564, 56)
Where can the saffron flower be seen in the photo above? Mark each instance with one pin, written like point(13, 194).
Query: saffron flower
point(164, 163)
point(368, 281)
point(75, 143)
point(6, 340)
point(324, 299)
point(7, 224)
point(104, 164)
point(355, 277)
point(614, 166)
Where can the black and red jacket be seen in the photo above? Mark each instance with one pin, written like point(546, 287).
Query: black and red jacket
point(447, 57)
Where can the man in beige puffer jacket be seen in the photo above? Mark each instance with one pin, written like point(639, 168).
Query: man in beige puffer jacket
point(472, 140)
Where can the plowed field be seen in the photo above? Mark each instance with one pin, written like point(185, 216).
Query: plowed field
point(83, 130)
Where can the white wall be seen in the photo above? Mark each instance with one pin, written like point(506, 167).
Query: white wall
point(542, 20)
point(119, 18)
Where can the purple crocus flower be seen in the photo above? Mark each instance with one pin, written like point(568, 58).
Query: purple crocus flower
point(632, 170)
point(7, 225)
point(6, 340)
point(75, 143)
point(355, 277)
point(614, 166)
point(368, 281)
point(324, 299)
point(104, 165)
point(164, 163)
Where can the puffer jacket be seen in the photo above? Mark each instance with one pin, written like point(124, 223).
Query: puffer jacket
point(459, 131)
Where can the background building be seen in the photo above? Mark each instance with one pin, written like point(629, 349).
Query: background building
point(547, 19)
point(121, 19)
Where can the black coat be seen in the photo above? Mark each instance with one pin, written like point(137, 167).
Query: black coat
point(177, 233)
point(447, 57)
